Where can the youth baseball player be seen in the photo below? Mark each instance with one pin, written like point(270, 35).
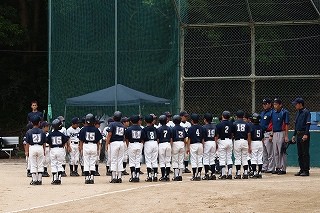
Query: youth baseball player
point(224, 135)
point(195, 146)
point(107, 149)
point(89, 137)
point(185, 124)
point(64, 131)
point(149, 138)
point(83, 124)
point(126, 122)
point(57, 142)
point(45, 128)
point(97, 125)
point(169, 122)
point(115, 138)
point(279, 136)
point(133, 141)
point(266, 124)
point(29, 126)
point(242, 145)
point(257, 135)
point(165, 141)
point(179, 137)
point(209, 147)
point(73, 132)
point(35, 149)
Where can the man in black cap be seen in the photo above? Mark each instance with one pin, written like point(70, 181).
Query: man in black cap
point(301, 135)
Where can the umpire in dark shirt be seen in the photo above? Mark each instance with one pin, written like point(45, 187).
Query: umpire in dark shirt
point(302, 136)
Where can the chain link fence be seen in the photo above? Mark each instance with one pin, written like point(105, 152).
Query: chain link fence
point(235, 53)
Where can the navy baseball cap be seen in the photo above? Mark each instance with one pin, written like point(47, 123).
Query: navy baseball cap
point(195, 117)
point(35, 119)
point(148, 118)
point(168, 114)
point(298, 101)
point(61, 118)
point(266, 101)
point(29, 126)
point(208, 117)
point(277, 100)
point(44, 124)
point(75, 120)
point(240, 113)
point(184, 113)
point(134, 118)
point(226, 114)
point(124, 119)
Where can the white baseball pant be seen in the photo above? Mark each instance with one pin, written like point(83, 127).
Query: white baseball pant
point(28, 162)
point(89, 156)
point(57, 157)
point(225, 152)
point(165, 154)
point(134, 152)
point(268, 158)
point(116, 152)
point(240, 151)
point(257, 152)
point(279, 158)
point(36, 157)
point(196, 155)
point(209, 152)
point(46, 161)
point(74, 154)
point(126, 154)
point(151, 153)
point(178, 150)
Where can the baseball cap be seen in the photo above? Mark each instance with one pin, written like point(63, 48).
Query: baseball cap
point(148, 118)
point(195, 117)
point(153, 116)
point(29, 126)
point(226, 114)
point(44, 124)
point(240, 113)
point(168, 114)
point(277, 100)
point(134, 118)
point(298, 101)
point(35, 119)
point(61, 118)
point(75, 120)
point(184, 113)
point(208, 117)
point(266, 101)
point(124, 119)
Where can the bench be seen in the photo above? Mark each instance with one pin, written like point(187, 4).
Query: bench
point(9, 145)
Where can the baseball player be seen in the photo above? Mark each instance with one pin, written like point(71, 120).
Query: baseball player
point(64, 131)
point(185, 124)
point(165, 141)
point(224, 135)
point(242, 145)
point(45, 127)
point(97, 125)
point(149, 138)
point(57, 142)
point(133, 141)
point(89, 137)
point(35, 149)
point(195, 146)
point(279, 136)
point(126, 122)
point(115, 138)
point(107, 149)
point(179, 137)
point(169, 122)
point(29, 126)
point(73, 132)
point(257, 135)
point(83, 124)
point(266, 124)
point(209, 147)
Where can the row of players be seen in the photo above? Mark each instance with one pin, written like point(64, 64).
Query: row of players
point(166, 144)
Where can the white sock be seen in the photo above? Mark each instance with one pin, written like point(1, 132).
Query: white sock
point(137, 174)
point(238, 172)
point(34, 177)
point(114, 175)
point(180, 172)
point(223, 171)
point(155, 174)
point(230, 171)
point(176, 172)
point(39, 176)
point(119, 175)
point(245, 172)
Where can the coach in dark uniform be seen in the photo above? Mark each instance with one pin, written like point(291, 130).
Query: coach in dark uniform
point(302, 136)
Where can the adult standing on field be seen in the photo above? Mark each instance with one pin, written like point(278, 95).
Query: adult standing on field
point(301, 135)
point(34, 112)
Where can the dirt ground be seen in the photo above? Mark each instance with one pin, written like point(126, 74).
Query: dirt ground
point(272, 193)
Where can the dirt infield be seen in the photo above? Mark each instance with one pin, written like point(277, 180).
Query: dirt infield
point(272, 193)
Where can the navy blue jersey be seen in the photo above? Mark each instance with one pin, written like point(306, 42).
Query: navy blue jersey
point(57, 139)
point(149, 133)
point(265, 120)
point(279, 118)
point(31, 114)
point(90, 134)
point(35, 136)
point(302, 120)
point(164, 133)
point(118, 131)
point(178, 133)
point(196, 134)
point(134, 133)
point(257, 132)
point(224, 130)
point(210, 132)
point(241, 129)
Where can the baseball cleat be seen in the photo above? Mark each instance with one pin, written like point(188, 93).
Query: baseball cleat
point(87, 181)
point(91, 181)
point(96, 173)
point(163, 179)
point(54, 182)
point(63, 174)
point(187, 170)
point(237, 177)
point(205, 177)
point(136, 180)
point(222, 177)
point(282, 172)
point(193, 179)
point(154, 179)
point(113, 181)
point(76, 174)
point(58, 182)
point(125, 173)
point(45, 174)
point(212, 177)
point(72, 174)
point(29, 174)
point(38, 182)
point(33, 183)
point(175, 179)
point(149, 179)
point(245, 176)
point(119, 180)
point(132, 179)
point(141, 173)
point(229, 177)
point(179, 178)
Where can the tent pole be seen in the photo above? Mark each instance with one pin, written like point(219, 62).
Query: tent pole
point(115, 53)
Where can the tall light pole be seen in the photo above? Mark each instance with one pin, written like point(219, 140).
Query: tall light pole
point(116, 54)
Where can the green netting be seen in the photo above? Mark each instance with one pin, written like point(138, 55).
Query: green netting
point(83, 52)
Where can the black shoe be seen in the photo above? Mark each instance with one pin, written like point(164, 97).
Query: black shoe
point(54, 182)
point(125, 173)
point(274, 172)
point(268, 172)
point(222, 177)
point(63, 174)
point(304, 174)
point(212, 177)
point(96, 173)
point(34, 183)
point(132, 179)
point(282, 172)
point(136, 180)
point(175, 178)
point(179, 178)
point(193, 179)
point(38, 182)
point(149, 179)
point(229, 177)
point(119, 180)
point(76, 174)
point(263, 171)
point(141, 173)
point(154, 179)
point(114, 181)
point(245, 177)
point(186, 170)
point(163, 179)
point(298, 173)
point(29, 174)
point(87, 182)
point(198, 178)
point(259, 176)
point(237, 177)
point(58, 182)
point(45, 174)
point(205, 177)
